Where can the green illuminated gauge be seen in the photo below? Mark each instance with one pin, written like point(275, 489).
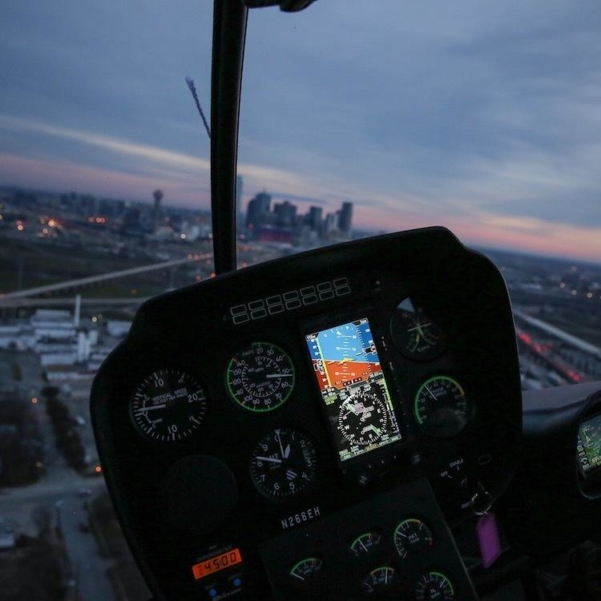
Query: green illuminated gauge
point(414, 334)
point(168, 405)
point(434, 586)
point(283, 463)
point(411, 536)
point(441, 407)
point(366, 543)
point(305, 570)
point(379, 580)
point(260, 377)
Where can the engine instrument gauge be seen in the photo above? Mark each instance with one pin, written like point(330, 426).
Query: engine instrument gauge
point(414, 334)
point(411, 536)
point(380, 579)
point(168, 405)
point(365, 543)
point(441, 407)
point(283, 463)
point(260, 377)
point(434, 586)
point(305, 570)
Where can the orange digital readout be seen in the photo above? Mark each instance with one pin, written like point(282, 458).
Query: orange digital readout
point(215, 564)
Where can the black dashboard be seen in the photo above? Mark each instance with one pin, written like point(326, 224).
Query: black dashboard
point(312, 427)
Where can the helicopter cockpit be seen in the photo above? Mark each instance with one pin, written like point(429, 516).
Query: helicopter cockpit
point(344, 423)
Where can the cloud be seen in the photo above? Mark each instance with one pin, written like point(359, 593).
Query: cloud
point(479, 114)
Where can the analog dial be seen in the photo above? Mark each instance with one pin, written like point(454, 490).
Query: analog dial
point(366, 543)
point(168, 405)
point(260, 377)
point(411, 536)
point(305, 570)
point(434, 586)
point(380, 579)
point(283, 463)
point(414, 334)
point(441, 407)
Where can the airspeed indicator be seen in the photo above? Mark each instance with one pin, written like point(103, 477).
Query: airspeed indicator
point(168, 405)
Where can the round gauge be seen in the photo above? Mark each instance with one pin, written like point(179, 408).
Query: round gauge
point(260, 377)
point(412, 535)
point(441, 407)
point(168, 405)
point(366, 543)
point(362, 418)
point(379, 580)
point(416, 336)
point(305, 570)
point(434, 586)
point(283, 463)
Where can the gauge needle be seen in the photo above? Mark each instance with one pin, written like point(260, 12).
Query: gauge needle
point(153, 408)
point(272, 459)
point(431, 394)
point(279, 438)
point(278, 375)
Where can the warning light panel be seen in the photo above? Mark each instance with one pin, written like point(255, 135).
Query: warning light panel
point(215, 564)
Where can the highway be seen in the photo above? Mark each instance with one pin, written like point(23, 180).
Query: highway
point(72, 285)
point(15, 303)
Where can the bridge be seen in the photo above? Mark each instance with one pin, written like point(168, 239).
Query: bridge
point(8, 299)
point(69, 301)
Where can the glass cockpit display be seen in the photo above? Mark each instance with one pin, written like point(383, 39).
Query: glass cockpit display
point(589, 444)
point(353, 388)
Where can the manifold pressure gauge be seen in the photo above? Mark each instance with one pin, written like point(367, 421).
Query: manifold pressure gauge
point(168, 405)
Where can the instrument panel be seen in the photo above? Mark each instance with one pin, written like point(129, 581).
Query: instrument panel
point(313, 425)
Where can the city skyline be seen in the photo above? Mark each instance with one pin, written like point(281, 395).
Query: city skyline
point(487, 125)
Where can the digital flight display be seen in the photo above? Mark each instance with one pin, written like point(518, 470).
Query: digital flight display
point(353, 388)
point(589, 444)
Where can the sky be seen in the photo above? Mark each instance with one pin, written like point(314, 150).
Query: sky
point(479, 115)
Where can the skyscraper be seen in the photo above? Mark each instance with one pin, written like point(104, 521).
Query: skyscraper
point(258, 209)
point(314, 219)
point(156, 214)
point(345, 220)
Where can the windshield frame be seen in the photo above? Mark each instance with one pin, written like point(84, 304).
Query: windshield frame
point(229, 37)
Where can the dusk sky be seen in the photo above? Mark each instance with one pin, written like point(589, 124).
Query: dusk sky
point(480, 115)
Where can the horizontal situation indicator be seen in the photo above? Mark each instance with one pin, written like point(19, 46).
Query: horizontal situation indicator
point(211, 565)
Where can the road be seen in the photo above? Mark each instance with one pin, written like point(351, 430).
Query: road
point(59, 491)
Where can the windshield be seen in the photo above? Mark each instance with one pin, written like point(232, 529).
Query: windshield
point(482, 117)
point(479, 116)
